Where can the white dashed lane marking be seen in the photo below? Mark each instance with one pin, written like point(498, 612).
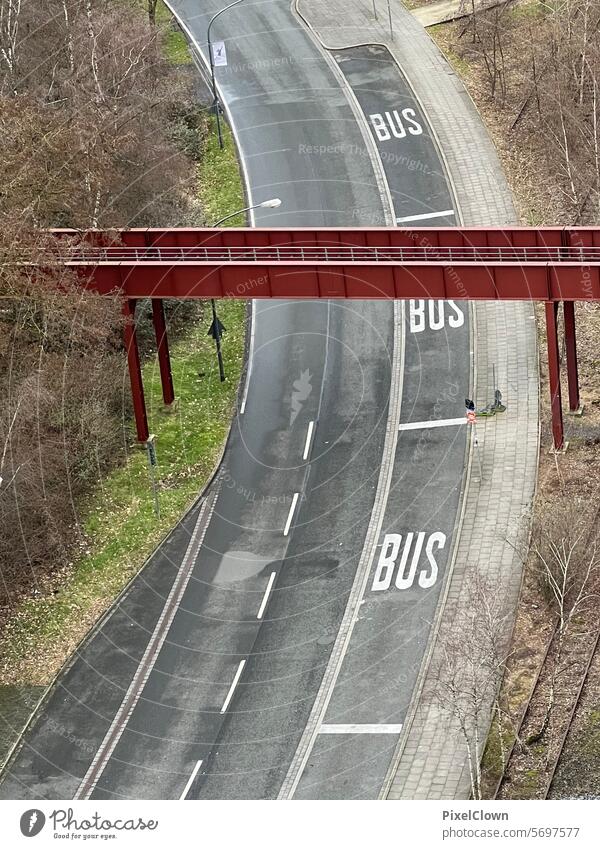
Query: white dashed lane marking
point(191, 780)
point(233, 686)
point(288, 523)
point(308, 440)
point(263, 604)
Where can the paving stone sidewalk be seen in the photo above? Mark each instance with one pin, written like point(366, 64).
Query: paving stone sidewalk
point(431, 760)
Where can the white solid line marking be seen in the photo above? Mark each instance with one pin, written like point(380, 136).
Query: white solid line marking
point(233, 686)
point(288, 523)
point(263, 604)
point(435, 423)
point(308, 438)
point(372, 728)
point(425, 215)
point(250, 358)
point(191, 780)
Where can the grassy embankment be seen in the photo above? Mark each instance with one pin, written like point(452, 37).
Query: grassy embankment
point(118, 521)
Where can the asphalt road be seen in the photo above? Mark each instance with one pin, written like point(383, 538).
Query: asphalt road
point(242, 658)
point(378, 674)
point(311, 362)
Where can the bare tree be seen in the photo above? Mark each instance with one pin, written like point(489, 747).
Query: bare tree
point(152, 4)
point(568, 559)
point(471, 666)
point(10, 14)
point(87, 142)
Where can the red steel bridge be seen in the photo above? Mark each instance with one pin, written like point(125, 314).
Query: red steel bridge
point(552, 265)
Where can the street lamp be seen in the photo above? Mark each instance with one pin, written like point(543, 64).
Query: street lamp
point(216, 328)
point(273, 203)
point(212, 69)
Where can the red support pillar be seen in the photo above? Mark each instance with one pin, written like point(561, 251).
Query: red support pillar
point(162, 344)
point(554, 373)
point(571, 346)
point(135, 371)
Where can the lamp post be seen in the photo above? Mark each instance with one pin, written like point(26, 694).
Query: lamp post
point(273, 203)
point(216, 328)
point(212, 69)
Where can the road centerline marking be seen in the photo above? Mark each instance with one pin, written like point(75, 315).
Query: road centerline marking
point(425, 215)
point(360, 728)
point(308, 439)
point(190, 780)
point(288, 522)
point(434, 423)
point(233, 686)
point(265, 598)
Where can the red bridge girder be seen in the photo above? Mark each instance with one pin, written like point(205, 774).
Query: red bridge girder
point(454, 263)
point(550, 264)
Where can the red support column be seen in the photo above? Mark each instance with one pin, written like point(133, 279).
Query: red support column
point(554, 373)
point(571, 346)
point(135, 371)
point(162, 343)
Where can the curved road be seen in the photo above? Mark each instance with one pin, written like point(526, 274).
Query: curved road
point(202, 681)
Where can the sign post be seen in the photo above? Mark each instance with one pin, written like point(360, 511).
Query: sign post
point(152, 463)
point(472, 421)
point(216, 330)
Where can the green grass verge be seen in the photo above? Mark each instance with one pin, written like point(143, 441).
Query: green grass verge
point(175, 44)
point(221, 186)
point(119, 520)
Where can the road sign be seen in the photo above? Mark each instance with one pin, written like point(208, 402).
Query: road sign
point(219, 54)
point(152, 463)
point(151, 447)
point(216, 329)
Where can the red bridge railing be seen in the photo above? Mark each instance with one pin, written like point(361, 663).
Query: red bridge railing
point(550, 264)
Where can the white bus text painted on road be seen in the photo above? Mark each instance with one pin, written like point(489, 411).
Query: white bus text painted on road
point(436, 315)
point(395, 124)
point(394, 553)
